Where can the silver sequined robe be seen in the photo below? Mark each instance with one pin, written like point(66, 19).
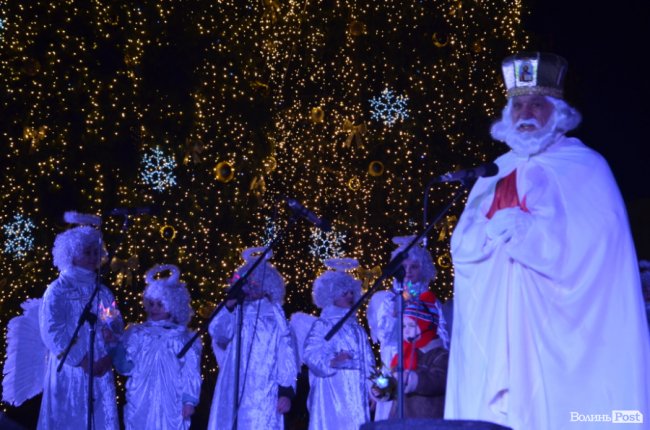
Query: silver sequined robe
point(268, 360)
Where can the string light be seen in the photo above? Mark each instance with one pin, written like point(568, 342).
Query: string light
point(89, 87)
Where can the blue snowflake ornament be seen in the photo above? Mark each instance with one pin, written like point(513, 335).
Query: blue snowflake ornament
point(389, 108)
point(18, 236)
point(271, 230)
point(326, 244)
point(158, 169)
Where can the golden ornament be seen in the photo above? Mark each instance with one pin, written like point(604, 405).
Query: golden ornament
point(440, 41)
point(167, 232)
point(444, 261)
point(355, 133)
point(205, 310)
point(447, 227)
point(357, 28)
point(257, 186)
point(376, 168)
point(125, 269)
point(354, 183)
point(317, 115)
point(224, 172)
point(368, 275)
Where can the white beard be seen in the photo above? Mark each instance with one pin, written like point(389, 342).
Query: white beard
point(526, 143)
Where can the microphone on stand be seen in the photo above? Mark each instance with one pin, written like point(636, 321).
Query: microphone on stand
point(482, 171)
point(305, 213)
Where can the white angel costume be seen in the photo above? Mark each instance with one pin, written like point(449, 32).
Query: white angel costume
point(338, 398)
point(65, 394)
point(268, 364)
point(159, 383)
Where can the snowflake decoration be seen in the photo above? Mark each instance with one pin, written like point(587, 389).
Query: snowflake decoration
point(389, 108)
point(19, 238)
point(270, 231)
point(158, 169)
point(326, 244)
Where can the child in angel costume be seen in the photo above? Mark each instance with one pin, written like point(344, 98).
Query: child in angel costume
point(419, 272)
point(425, 362)
point(268, 365)
point(162, 390)
point(37, 340)
point(339, 369)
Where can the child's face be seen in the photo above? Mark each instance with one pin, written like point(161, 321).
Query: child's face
point(155, 310)
point(413, 270)
point(253, 290)
point(411, 330)
point(345, 300)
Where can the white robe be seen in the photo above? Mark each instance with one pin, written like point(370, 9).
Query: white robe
point(338, 398)
point(159, 383)
point(65, 394)
point(268, 360)
point(549, 324)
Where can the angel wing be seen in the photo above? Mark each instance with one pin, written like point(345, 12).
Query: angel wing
point(381, 320)
point(300, 324)
point(24, 368)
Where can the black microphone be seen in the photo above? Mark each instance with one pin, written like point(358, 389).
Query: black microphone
point(305, 213)
point(143, 210)
point(482, 171)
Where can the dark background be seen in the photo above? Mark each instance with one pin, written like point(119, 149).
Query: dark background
point(606, 44)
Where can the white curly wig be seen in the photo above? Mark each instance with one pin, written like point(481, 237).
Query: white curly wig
point(170, 291)
point(264, 274)
point(417, 253)
point(333, 283)
point(71, 243)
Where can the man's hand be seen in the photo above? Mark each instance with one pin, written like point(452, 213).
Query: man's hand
point(507, 223)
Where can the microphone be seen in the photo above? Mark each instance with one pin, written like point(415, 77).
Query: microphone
point(143, 210)
point(305, 213)
point(482, 171)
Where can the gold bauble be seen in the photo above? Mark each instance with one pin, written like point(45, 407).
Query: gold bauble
point(224, 172)
point(376, 168)
point(317, 115)
point(354, 183)
point(357, 28)
point(440, 40)
point(167, 232)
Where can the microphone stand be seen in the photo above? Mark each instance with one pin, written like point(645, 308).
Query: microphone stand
point(390, 270)
point(88, 316)
point(234, 293)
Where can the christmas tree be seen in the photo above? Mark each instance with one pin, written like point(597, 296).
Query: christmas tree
point(197, 120)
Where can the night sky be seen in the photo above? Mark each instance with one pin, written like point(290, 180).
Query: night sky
point(605, 44)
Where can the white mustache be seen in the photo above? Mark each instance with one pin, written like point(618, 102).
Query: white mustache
point(528, 121)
